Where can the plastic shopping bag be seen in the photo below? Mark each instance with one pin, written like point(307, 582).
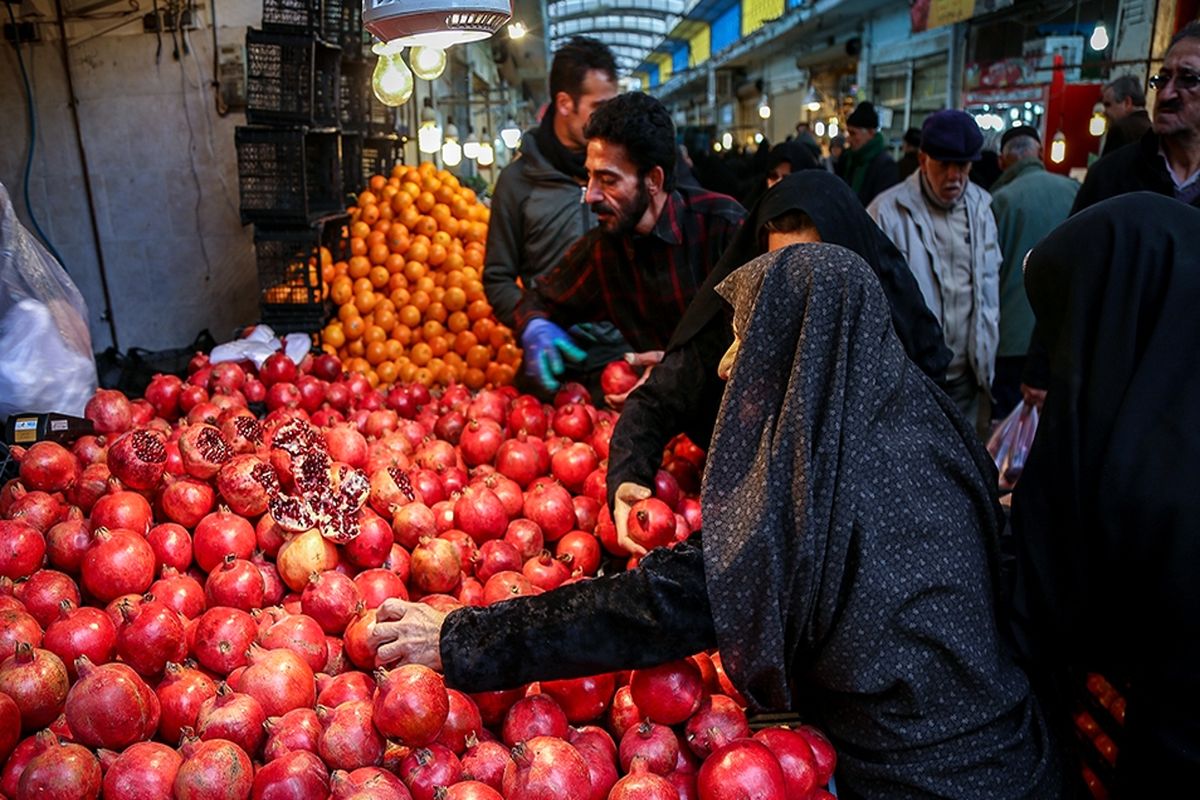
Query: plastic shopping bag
point(1010, 443)
point(46, 361)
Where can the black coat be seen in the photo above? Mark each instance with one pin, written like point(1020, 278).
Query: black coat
point(1136, 168)
point(882, 174)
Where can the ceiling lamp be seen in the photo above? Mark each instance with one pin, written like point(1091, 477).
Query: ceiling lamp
point(812, 100)
point(1098, 124)
point(517, 31)
point(392, 80)
point(510, 134)
point(764, 108)
point(427, 62)
point(487, 155)
point(471, 145)
point(429, 135)
point(1099, 40)
point(434, 23)
point(1058, 148)
point(451, 149)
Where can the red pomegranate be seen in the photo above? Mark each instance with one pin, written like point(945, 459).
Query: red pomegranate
point(480, 513)
point(546, 767)
point(110, 706)
point(43, 593)
point(410, 705)
point(436, 568)
point(222, 638)
point(149, 636)
point(656, 745)
point(795, 758)
point(127, 510)
point(651, 523)
point(79, 632)
point(532, 716)
point(66, 543)
point(186, 501)
point(332, 599)
point(742, 768)
point(425, 769)
point(668, 693)
point(299, 775)
point(24, 549)
point(61, 771)
point(36, 680)
point(280, 680)
point(716, 722)
point(298, 729)
point(172, 546)
point(138, 459)
point(579, 551)
point(232, 716)
point(180, 694)
point(582, 699)
point(349, 740)
point(213, 769)
point(118, 562)
point(49, 467)
point(550, 506)
point(144, 770)
point(219, 534)
point(642, 784)
point(109, 411)
point(182, 593)
point(299, 633)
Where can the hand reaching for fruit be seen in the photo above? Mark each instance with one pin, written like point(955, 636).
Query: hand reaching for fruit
point(407, 633)
point(619, 380)
point(627, 494)
point(546, 345)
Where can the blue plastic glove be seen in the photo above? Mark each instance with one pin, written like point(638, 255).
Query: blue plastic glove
point(545, 345)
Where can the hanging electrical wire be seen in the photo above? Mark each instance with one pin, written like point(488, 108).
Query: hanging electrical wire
point(32, 114)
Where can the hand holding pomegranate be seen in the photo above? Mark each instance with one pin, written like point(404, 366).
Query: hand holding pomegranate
point(617, 388)
point(407, 633)
point(627, 495)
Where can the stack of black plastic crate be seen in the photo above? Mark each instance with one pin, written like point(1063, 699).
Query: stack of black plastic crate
point(290, 154)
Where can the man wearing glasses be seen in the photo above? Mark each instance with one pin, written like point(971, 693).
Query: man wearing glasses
point(1167, 159)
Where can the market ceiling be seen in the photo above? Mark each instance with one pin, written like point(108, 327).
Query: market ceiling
point(632, 28)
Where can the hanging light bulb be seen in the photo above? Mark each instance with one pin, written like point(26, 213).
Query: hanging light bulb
point(727, 140)
point(429, 135)
point(819, 128)
point(812, 100)
point(451, 153)
point(510, 134)
point(517, 30)
point(392, 80)
point(1098, 124)
point(1099, 40)
point(1058, 148)
point(427, 62)
point(716, 147)
point(758, 137)
point(764, 110)
point(471, 145)
point(833, 127)
point(487, 155)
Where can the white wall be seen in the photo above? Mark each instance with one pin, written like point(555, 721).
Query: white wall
point(163, 171)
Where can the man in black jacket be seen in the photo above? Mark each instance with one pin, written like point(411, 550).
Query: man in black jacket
point(1167, 159)
point(538, 210)
point(1124, 102)
point(867, 166)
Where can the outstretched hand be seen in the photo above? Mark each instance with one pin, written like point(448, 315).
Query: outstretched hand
point(648, 359)
point(626, 496)
point(407, 633)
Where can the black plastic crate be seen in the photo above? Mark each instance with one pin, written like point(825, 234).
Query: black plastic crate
point(291, 80)
point(360, 110)
point(379, 155)
point(288, 258)
point(335, 21)
point(353, 179)
point(288, 175)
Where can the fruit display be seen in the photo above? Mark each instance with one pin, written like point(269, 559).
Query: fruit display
point(409, 296)
point(186, 596)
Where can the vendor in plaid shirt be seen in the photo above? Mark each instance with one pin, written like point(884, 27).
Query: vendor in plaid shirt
point(643, 263)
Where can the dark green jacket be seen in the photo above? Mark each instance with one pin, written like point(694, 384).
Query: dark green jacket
point(1028, 202)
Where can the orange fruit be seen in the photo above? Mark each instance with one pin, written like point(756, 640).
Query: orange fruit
point(420, 299)
point(420, 354)
point(358, 266)
point(378, 253)
point(362, 285)
point(340, 290)
point(360, 229)
point(409, 315)
point(455, 298)
point(479, 309)
point(437, 254)
point(458, 322)
point(348, 312)
point(387, 372)
point(333, 335)
point(378, 277)
point(370, 214)
point(427, 226)
point(474, 378)
point(482, 328)
point(417, 251)
point(354, 327)
point(365, 301)
point(394, 263)
point(436, 313)
point(377, 183)
point(425, 202)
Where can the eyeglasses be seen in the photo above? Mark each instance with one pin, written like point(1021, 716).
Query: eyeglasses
point(1185, 80)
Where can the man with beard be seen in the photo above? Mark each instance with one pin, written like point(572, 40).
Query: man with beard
point(653, 245)
point(943, 225)
point(538, 208)
point(1166, 160)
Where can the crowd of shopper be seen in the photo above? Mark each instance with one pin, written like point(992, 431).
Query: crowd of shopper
point(836, 350)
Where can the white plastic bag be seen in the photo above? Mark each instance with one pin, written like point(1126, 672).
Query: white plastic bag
point(259, 344)
point(46, 361)
point(1010, 443)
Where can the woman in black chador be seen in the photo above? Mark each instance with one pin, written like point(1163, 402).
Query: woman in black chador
point(848, 565)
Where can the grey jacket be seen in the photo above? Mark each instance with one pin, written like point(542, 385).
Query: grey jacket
point(537, 213)
point(903, 214)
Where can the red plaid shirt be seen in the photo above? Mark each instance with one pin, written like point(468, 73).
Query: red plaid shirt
point(641, 283)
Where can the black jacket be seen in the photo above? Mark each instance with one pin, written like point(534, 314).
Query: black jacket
point(1137, 168)
point(537, 214)
point(1127, 130)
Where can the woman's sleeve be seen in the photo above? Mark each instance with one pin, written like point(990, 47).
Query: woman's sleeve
point(649, 615)
point(682, 394)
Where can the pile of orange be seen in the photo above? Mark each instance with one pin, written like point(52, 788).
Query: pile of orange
point(409, 296)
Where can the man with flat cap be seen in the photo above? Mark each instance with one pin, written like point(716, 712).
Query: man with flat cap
point(943, 225)
point(1028, 202)
point(867, 166)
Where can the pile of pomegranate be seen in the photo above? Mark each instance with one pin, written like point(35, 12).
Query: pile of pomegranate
point(185, 600)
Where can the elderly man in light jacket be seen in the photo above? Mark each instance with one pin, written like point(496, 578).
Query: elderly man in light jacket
point(944, 226)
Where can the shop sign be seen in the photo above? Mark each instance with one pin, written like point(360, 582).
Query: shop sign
point(929, 14)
